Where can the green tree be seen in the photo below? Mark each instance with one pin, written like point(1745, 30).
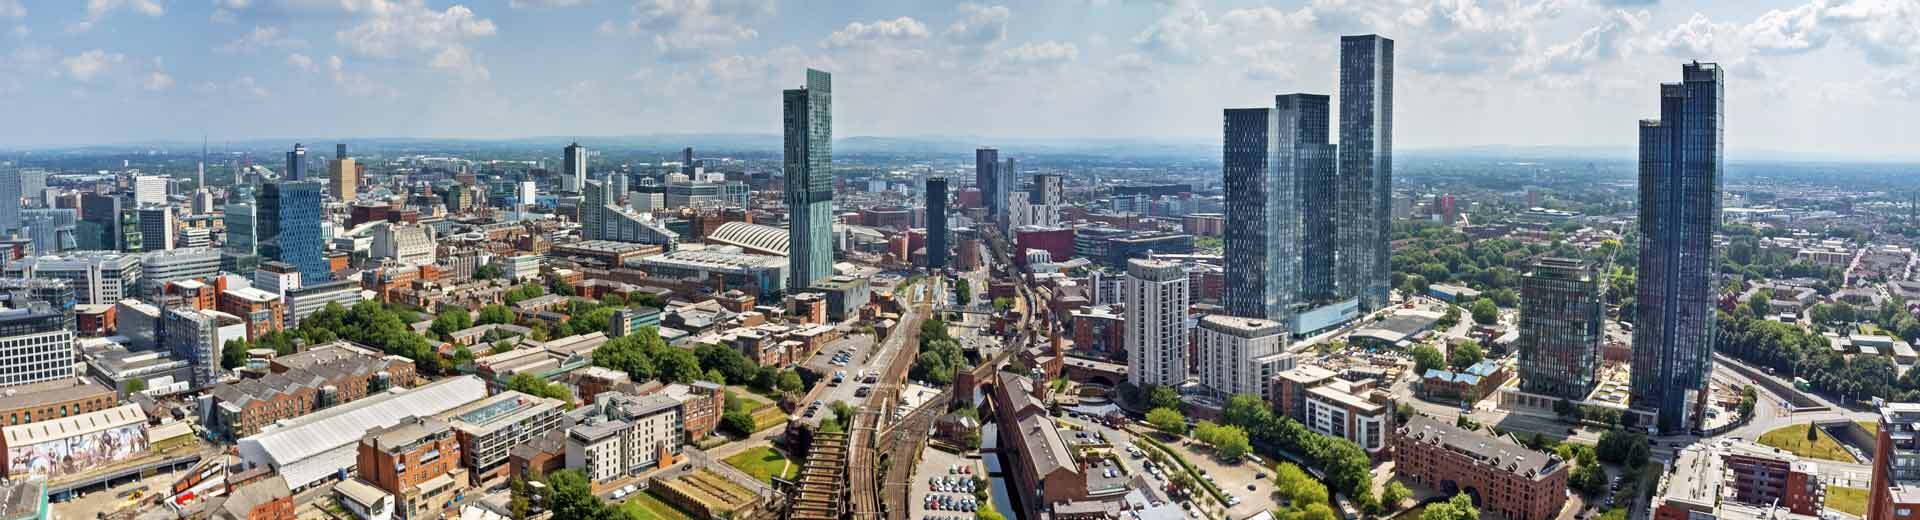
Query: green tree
point(1297, 487)
point(789, 381)
point(495, 314)
point(487, 272)
point(451, 320)
point(676, 365)
point(738, 422)
point(1394, 494)
point(571, 496)
point(1460, 507)
point(1167, 420)
point(1163, 397)
point(1449, 318)
point(1426, 357)
point(1465, 354)
point(1485, 312)
point(233, 354)
point(535, 386)
point(136, 385)
point(1589, 480)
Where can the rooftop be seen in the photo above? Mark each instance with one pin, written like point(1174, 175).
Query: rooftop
point(66, 427)
point(1502, 451)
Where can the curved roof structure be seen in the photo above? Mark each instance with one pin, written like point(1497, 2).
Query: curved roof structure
point(308, 448)
point(752, 237)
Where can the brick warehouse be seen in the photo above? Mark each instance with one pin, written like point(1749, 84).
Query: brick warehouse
point(1502, 475)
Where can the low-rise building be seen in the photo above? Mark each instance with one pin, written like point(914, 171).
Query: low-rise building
point(315, 448)
point(46, 449)
point(417, 460)
point(622, 435)
point(49, 400)
point(1509, 479)
point(490, 428)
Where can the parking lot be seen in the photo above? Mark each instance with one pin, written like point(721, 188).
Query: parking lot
point(954, 476)
point(858, 356)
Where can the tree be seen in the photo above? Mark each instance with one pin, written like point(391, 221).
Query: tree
point(487, 272)
point(136, 385)
point(233, 354)
point(1485, 312)
point(1450, 318)
point(451, 320)
point(987, 513)
point(1316, 512)
point(1465, 354)
point(535, 386)
point(1163, 397)
point(495, 313)
point(1588, 480)
point(1230, 443)
point(1298, 488)
point(1623, 447)
point(789, 381)
point(1426, 357)
point(739, 422)
point(1167, 421)
point(572, 496)
point(1460, 507)
point(1394, 494)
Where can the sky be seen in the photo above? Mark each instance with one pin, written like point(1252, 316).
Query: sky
point(1829, 77)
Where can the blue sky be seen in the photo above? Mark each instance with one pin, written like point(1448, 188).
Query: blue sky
point(1833, 77)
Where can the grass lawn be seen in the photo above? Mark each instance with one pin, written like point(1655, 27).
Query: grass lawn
point(1873, 427)
point(1847, 500)
point(645, 506)
point(764, 464)
point(1794, 439)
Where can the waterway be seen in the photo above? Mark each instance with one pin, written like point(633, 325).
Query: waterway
point(996, 475)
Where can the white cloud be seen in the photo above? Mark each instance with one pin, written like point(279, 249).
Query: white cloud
point(979, 26)
point(1266, 61)
point(1888, 31)
point(260, 38)
point(879, 32)
point(86, 66)
point(1046, 53)
point(12, 9)
point(1788, 31)
point(521, 4)
point(157, 81)
point(690, 29)
point(247, 85)
point(100, 8)
point(409, 30)
point(301, 61)
point(1183, 35)
point(1609, 40)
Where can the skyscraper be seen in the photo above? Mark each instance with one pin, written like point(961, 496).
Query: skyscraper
point(1156, 322)
point(986, 172)
point(240, 218)
point(9, 200)
point(1365, 208)
point(1562, 324)
point(99, 226)
point(1277, 165)
point(936, 222)
point(686, 161)
point(809, 171)
point(1047, 190)
point(149, 189)
point(156, 228)
point(573, 169)
point(296, 163)
point(343, 176)
point(1680, 172)
point(289, 228)
point(52, 230)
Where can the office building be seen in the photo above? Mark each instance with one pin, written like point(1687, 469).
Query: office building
point(408, 244)
point(240, 219)
point(1894, 493)
point(623, 435)
point(149, 189)
point(1364, 207)
point(1680, 175)
point(1562, 325)
point(1516, 482)
point(39, 343)
point(33, 186)
point(809, 173)
point(602, 220)
point(156, 228)
point(276, 277)
point(528, 194)
point(310, 298)
point(573, 169)
point(97, 277)
point(418, 462)
point(1240, 355)
point(937, 223)
point(289, 228)
point(51, 230)
point(296, 164)
point(343, 176)
point(159, 268)
point(1156, 311)
point(100, 227)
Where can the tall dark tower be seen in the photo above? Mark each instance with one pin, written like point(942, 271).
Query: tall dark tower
point(1680, 172)
point(809, 170)
point(1365, 212)
point(936, 222)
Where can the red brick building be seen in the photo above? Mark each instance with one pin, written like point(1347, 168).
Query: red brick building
point(1506, 477)
point(1895, 492)
point(1057, 242)
point(262, 311)
point(418, 461)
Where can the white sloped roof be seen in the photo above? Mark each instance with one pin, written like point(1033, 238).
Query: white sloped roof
point(325, 435)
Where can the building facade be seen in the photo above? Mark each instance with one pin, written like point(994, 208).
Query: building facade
point(1510, 479)
point(809, 174)
point(289, 226)
point(1278, 171)
point(937, 232)
point(1364, 212)
point(1680, 175)
point(1156, 323)
point(1894, 493)
point(418, 462)
point(1562, 325)
point(1240, 355)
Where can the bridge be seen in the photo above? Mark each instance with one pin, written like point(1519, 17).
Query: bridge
point(66, 491)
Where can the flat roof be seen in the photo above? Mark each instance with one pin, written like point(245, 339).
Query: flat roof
point(65, 427)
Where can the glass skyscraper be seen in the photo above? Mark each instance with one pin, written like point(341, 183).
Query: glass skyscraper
point(1562, 325)
point(1680, 172)
point(296, 163)
point(1365, 197)
point(986, 178)
point(9, 199)
point(809, 171)
point(1278, 170)
point(936, 222)
point(289, 228)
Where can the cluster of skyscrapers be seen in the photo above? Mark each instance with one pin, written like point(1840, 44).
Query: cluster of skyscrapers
point(1307, 221)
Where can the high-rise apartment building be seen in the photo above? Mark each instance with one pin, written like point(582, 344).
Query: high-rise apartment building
point(289, 228)
point(986, 176)
point(1364, 211)
point(197, 337)
point(52, 230)
point(573, 168)
point(1237, 355)
point(809, 172)
point(1278, 173)
point(9, 200)
point(296, 164)
point(1156, 322)
point(343, 176)
point(1562, 325)
point(1895, 490)
point(1680, 173)
point(937, 223)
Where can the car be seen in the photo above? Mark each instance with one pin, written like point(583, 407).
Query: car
point(1249, 487)
point(1260, 475)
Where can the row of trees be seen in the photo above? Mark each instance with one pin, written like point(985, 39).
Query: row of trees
point(1459, 356)
point(940, 355)
point(1345, 465)
point(369, 323)
point(1795, 352)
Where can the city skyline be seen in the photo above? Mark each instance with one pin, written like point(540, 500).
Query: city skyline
point(283, 68)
